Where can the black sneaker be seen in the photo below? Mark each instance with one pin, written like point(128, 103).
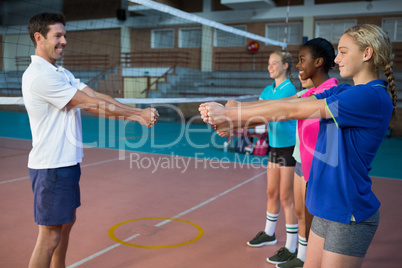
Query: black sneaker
point(294, 262)
point(281, 256)
point(262, 239)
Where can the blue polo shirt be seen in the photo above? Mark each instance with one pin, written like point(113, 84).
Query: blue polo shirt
point(339, 185)
point(281, 134)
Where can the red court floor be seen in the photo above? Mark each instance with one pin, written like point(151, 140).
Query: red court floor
point(219, 206)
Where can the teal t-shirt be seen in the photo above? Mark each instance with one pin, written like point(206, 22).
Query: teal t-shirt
point(281, 134)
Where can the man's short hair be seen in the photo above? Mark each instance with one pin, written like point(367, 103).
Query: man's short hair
point(40, 23)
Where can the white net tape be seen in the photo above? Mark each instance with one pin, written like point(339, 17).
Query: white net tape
point(20, 100)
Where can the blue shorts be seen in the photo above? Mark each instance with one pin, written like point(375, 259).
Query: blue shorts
point(56, 194)
point(298, 169)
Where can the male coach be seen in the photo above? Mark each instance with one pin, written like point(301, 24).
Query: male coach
point(53, 98)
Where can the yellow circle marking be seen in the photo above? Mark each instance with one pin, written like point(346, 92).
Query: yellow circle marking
point(114, 238)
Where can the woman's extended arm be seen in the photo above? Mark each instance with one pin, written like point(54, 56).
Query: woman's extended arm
point(233, 103)
point(260, 112)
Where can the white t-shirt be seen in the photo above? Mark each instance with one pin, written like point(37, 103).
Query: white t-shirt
point(56, 130)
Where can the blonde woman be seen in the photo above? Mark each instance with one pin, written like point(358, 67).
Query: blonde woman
point(280, 168)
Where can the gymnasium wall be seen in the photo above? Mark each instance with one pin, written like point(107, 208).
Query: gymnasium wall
point(377, 20)
point(98, 43)
point(235, 57)
point(141, 49)
point(93, 9)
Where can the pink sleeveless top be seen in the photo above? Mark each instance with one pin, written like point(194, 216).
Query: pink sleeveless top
point(308, 130)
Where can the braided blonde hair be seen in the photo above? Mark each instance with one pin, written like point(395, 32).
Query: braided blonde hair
point(370, 35)
point(286, 58)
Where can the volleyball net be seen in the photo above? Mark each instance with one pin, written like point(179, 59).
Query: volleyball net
point(148, 53)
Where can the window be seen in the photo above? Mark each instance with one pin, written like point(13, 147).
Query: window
point(393, 26)
point(162, 38)
point(332, 30)
point(190, 37)
point(225, 39)
point(277, 32)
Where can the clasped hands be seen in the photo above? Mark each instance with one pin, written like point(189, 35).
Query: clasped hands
point(215, 114)
point(149, 117)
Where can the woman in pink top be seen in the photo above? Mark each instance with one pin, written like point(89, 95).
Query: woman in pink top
point(316, 58)
point(308, 129)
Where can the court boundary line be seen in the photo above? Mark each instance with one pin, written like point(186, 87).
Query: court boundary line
point(114, 159)
point(91, 257)
point(82, 166)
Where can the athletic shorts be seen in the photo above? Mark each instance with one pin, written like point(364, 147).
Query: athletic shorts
point(282, 156)
point(347, 239)
point(298, 169)
point(56, 194)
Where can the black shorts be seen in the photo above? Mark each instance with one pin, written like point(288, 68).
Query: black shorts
point(282, 156)
point(56, 194)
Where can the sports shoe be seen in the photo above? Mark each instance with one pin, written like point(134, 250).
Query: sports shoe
point(262, 239)
point(281, 256)
point(293, 262)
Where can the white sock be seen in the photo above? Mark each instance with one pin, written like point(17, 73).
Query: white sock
point(270, 223)
point(291, 237)
point(301, 254)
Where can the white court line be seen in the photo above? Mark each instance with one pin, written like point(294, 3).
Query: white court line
point(82, 166)
point(166, 221)
point(100, 252)
point(14, 180)
point(210, 200)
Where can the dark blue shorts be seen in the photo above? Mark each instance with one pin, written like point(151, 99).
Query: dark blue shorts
point(56, 194)
point(298, 169)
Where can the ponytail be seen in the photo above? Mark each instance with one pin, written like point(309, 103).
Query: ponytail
point(286, 58)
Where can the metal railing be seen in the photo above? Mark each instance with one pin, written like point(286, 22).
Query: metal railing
point(155, 59)
point(171, 70)
point(244, 61)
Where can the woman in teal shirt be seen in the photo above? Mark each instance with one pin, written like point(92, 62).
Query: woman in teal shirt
point(281, 164)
